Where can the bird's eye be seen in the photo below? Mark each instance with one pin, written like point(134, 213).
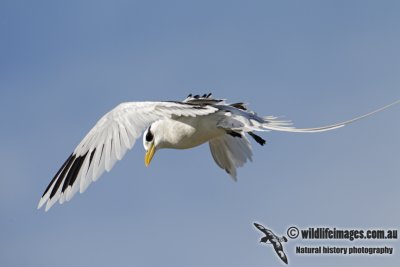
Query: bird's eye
point(149, 136)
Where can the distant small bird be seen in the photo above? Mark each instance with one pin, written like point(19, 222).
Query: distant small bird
point(273, 240)
point(167, 124)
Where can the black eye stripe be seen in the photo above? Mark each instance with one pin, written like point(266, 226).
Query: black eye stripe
point(149, 136)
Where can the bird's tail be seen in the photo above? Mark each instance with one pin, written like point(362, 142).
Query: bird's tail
point(273, 125)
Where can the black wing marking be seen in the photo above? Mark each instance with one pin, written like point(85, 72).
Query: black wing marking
point(239, 105)
point(281, 254)
point(257, 138)
point(70, 158)
point(261, 228)
point(205, 99)
point(234, 134)
point(73, 173)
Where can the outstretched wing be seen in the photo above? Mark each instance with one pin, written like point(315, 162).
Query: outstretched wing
point(281, 254)
point(107, 142)
point(262, 228)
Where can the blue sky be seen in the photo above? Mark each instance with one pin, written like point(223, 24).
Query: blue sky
point(63, 64)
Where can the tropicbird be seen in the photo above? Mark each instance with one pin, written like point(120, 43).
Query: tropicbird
point(168, 124)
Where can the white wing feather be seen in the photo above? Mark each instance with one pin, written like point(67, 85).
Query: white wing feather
point(230, 152)
point(107, 142)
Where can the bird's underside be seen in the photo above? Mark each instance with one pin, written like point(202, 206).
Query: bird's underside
point(200, 118)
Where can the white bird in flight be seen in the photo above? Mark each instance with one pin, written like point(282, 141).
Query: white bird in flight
point(168, 124)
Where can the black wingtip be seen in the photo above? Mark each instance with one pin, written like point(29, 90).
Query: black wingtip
point(57, 174)
point(62, 175)
point(258, 226)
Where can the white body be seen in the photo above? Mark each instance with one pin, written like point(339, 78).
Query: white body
point(188, 132)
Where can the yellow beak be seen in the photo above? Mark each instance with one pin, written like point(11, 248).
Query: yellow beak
point(149, 155)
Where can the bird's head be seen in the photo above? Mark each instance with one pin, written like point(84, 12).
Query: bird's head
point(150, 144)
point(264, 239)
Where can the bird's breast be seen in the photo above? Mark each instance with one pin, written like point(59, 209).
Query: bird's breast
point(189, 132)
